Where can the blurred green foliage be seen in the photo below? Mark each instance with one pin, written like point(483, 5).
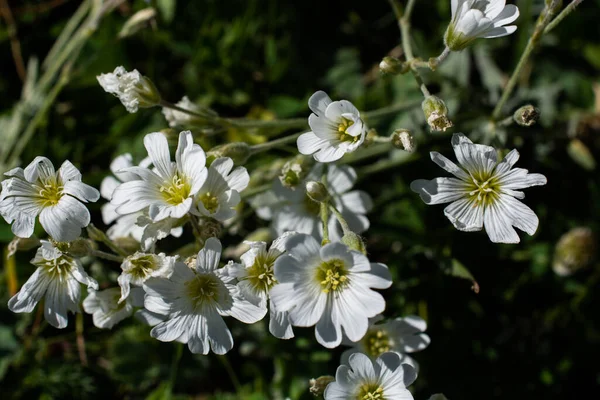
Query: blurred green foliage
point(528, 333)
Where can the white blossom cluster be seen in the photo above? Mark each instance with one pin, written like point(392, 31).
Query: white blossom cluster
point(314, 273)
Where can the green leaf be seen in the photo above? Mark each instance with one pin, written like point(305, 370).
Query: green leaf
point(167, 9)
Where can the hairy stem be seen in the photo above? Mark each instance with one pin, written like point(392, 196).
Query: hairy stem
point(568, 10)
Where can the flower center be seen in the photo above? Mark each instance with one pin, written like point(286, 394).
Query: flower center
point(484, 191)
point(376, 342)
point(261, 275)
point(332, 275)
point(143, 266)
point(343, 127)
point(50, 193)
point(210, 202)
point(58, 268)
point(204, 288)
point(370, 391)
point(176, 191)
point(310, 206)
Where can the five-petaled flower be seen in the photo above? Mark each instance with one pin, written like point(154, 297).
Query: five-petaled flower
point(484, 191)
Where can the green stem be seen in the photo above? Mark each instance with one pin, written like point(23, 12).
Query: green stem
point(175, 365)
point(98, 234)
point(106, 256)
point(259, 148)
point(568, 9)
point(325, 221)
point(253, 191)
point(340, 218)
point(167, 104)
point(542, 22)
point(231, 373)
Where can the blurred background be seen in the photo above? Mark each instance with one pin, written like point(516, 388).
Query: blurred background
point(506, 321)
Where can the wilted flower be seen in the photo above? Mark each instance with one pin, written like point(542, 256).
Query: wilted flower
point(436, 113)
point(133, 89)
point(330, 287)
point(484, 192)
point(472, 19)
point(55, 196)
point(336, 129)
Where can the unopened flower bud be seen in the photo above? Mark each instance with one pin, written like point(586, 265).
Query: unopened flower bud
point(317, 191)
point(354, 242)
point(22, 244)
point(392, 66)
point(581, 154)
point(402, 139)
point(575, 250)
point(527, 115)
point(294, 171)
point(239, 152)
point(436, 113)
point(318, 386)
point(132, 88)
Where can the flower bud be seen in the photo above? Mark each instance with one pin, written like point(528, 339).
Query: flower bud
point(239, 152)
point(317, 191)
point(22, 244)
point(354, 242)
point(294, 171)
point(527, 115)
point(318, 386)
point(436, 113)
point(132, 88)
point(581, 154)
point(393, 66)
point(575, 250)
point(402, 139)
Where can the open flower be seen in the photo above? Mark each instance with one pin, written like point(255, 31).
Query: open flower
point(484, 191)
point(400, 335)
point(133, 89)
point(193, 301)
point(385, 379)
point(55, 196)
point(107, 310)
point(330, 287)
point(168, 190)
point(57, 279)
point(292, 209)
point(256, 278)
point(472, 19)
point(139, 267)
point(220, 193)
point(336, 129)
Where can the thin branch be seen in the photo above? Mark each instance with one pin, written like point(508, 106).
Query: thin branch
point(568, 9)
point(15, 44)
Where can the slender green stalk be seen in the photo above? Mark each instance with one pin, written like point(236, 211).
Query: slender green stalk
point(231, 372)
point(568, 10)
point(543, 20)
point(106, 256)
point(99, 235)
point(259, 148)
point(325, 222)
point(175, 365)
point(340, 218)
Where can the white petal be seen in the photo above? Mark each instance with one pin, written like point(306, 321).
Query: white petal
point(55, 305)
point(238, 179)
point(302, 247)
point(191, 161)
point(362, 367)
point(357, 201)
point(465, 214)
point(68, 172)
point(329, 154)
point(439, 190)
point(318, 102)
point(279, 323)
point(341, 178)
point(134, 196)
point(327, 331)
point(498, 224)
point(335, 110)
point(158, 150)
point(509, 14)
point(521, 216)
point(64, 221)
point(499, 31)
point(108, 186)
point(198, 336)
point(39, 168)
point(171, 329)
point(81, 191)
point(209, 257)
point(448, 165)
point(308, 143)
point(219, 335)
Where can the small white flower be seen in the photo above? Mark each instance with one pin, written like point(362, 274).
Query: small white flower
point(256, 278)
point(168, 190)
point(57, 279)
point(330, 286)
point(220, 193)
point(55, 196)
point(107, 310)
point(484, 192)
point(292, 209)
point(363, 379)
point(139, 267)
point(472, 19)
point(400, 335)
point(194, 300)
point(336, 129)
point(133, 89)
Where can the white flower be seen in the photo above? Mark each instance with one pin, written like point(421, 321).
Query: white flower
point(57, 279)
point(292, 209)
point(484, 192)
point(55, 196)
point(330, 286)
point(336, 129)
point(220, 193)
point(133, 89)
point(139, 267)
point(256, 278)
point(400, 335)
point(363, 379)
point(472, 19)
point(167, 191)
point(199, 116)
point(107, 310)
point(194, 300)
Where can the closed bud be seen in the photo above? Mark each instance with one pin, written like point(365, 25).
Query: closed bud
point(239, 152)
point(392, 66)
point(575, 250)
point(22, 244)
point(527, 115)
point(402, 139)
point(436, 113)
point(294, 171)
point(354, 242)
point(80, 247)
point(318, 386)
point(317, 191)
